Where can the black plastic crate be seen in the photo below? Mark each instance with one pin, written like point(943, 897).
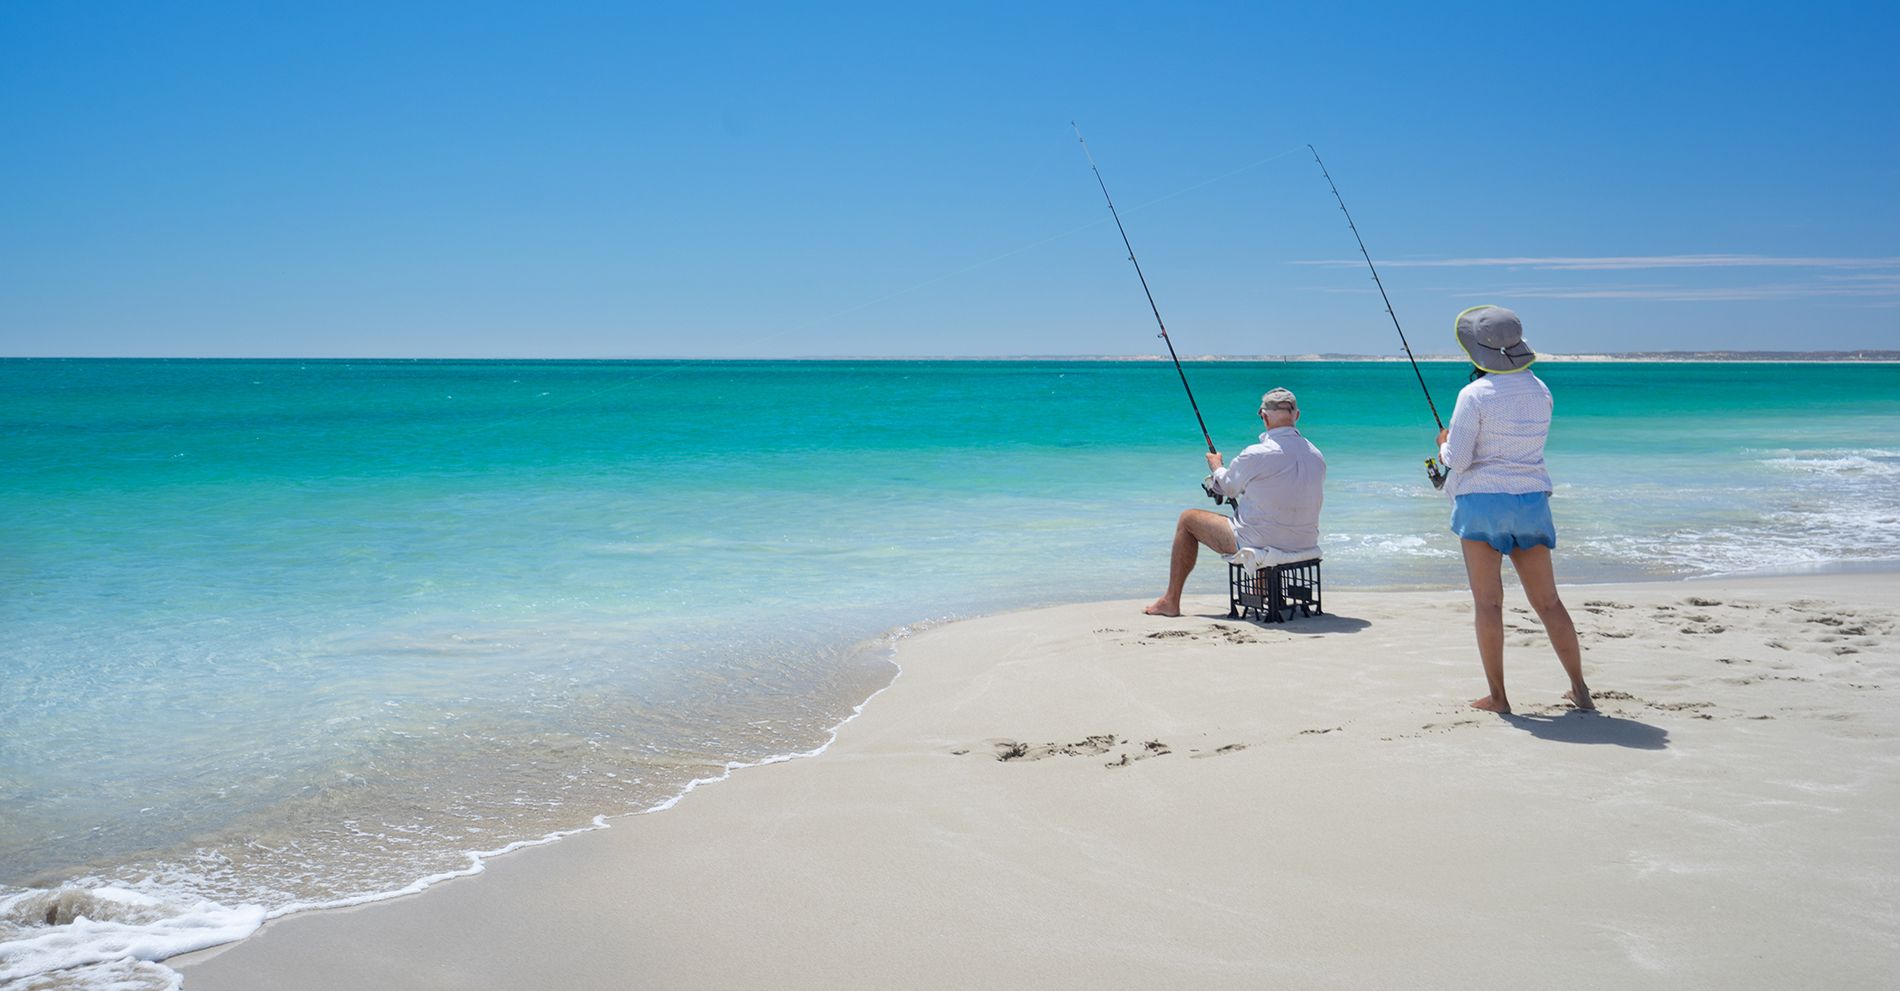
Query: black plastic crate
point(1274, 594)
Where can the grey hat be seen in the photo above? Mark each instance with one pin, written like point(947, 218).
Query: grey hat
point(1493, 339)
point(1279, 399)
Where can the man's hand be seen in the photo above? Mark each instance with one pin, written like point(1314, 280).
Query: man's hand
point(1213, 461)
point(1442, 434)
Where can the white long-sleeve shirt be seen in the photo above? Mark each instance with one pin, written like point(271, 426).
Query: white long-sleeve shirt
point(1277, 486)
point(1496, 439)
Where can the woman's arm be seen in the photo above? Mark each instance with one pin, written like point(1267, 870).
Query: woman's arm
point(1461, 437)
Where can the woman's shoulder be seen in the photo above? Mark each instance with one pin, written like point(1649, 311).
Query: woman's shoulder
point(1519, 381)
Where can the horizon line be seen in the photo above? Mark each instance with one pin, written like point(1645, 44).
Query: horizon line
point(1743, 354)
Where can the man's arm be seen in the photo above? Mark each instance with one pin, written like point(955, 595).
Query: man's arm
point(1233, 479)
point(1215, 471)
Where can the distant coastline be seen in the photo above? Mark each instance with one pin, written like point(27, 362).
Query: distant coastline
point(1862, 357)
point(1875, 357)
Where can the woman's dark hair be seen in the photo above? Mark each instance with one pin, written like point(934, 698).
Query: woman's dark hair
point(1476, 374)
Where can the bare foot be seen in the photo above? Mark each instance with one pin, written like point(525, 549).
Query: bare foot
point(1580, 697)
point(1490, 704)
point(1162, 607)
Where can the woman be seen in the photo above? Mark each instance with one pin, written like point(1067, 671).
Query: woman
point(1501, 494)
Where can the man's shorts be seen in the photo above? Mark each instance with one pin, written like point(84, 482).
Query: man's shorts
point(1506, 522)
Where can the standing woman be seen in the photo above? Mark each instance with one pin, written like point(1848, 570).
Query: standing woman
point(1501, 494)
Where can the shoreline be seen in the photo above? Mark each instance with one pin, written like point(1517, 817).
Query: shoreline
point(269, 949)
point(231, 925)
point(211, 927)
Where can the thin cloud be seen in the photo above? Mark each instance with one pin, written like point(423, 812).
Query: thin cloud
point(1885, 278)
point(1619, 263)
point(1684, 294)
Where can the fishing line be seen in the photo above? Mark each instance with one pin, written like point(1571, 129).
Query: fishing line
point(1205, 487)
point(1433, 470)
point(1144, 288)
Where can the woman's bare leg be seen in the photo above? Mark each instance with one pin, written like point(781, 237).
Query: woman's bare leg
point(1484, 566)
point(1194, 528)
point(1534, 569)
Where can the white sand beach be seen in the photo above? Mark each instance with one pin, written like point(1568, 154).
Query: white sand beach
point(1207, 803)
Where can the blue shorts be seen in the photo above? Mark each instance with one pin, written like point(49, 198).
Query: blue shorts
point(1506, 522)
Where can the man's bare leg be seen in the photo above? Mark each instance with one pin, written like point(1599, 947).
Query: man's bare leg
point(1484, 566)
point(1194, 528)
point(1534, 569)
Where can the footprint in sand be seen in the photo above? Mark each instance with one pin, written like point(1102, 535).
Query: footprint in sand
point(1234, 634)
point(1089, 746)
point(1454, 724)
point(1152, 748)
point(1231, 748)
point(1016, 751)
point(1218, 631)
point(1694, 709)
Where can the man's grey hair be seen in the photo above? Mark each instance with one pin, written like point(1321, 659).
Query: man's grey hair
point(1280, 399)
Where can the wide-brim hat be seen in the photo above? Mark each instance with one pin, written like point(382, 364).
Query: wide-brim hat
point(1493, 338)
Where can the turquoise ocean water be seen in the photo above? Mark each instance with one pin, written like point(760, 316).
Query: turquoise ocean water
point(278, 633)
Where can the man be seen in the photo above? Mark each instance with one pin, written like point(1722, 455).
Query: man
point(1276, 487)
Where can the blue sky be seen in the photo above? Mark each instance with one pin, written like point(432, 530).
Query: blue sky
point(626, 180)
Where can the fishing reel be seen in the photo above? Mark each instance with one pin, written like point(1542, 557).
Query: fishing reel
point(1435, 472)
point(1219, 500)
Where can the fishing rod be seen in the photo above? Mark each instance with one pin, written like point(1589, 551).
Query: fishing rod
point(1432, 468)
point(1151, 303)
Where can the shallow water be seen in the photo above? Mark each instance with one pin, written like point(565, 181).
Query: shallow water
point(283, 633)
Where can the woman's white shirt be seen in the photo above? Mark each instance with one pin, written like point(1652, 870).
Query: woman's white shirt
point(1497, 434)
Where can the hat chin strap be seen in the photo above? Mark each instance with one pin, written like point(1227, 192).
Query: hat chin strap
point(1506, 352)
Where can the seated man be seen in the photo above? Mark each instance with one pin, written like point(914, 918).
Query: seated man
point(1276, 489)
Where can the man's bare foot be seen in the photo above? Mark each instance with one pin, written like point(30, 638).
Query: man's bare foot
point(1580, 697)
point(1162, 607)
point(1490, 704)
